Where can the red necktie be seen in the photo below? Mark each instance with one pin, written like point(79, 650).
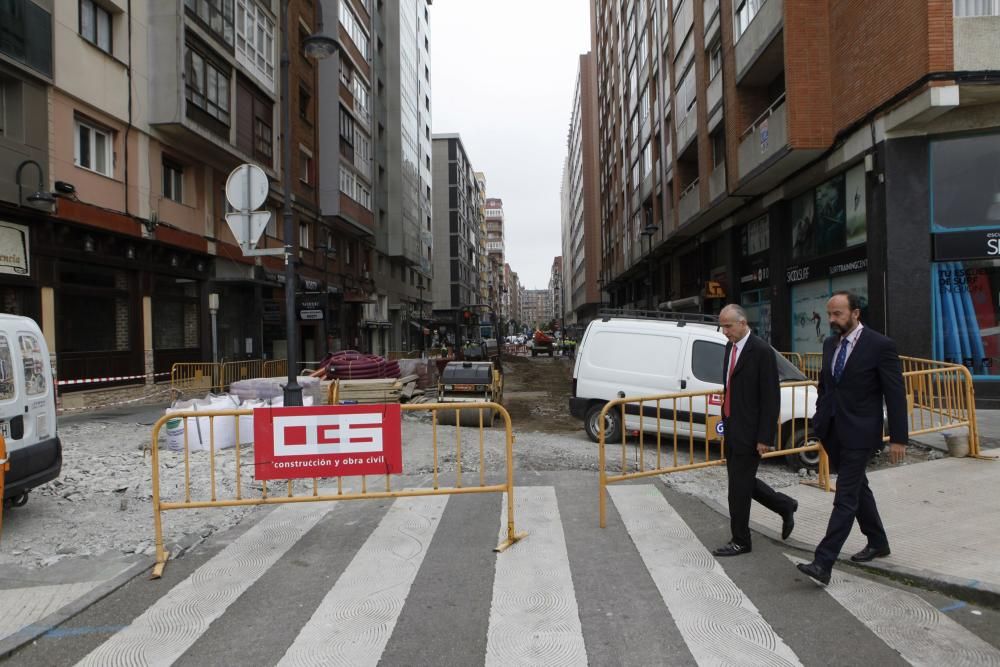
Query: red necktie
point(729, 382)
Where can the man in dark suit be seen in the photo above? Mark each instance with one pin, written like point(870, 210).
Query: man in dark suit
point(860, 370)
point(750, 416)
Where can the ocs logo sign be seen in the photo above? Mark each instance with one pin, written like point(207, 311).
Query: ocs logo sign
point(328, 434)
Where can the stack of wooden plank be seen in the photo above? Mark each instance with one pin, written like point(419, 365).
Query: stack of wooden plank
point(385, 390)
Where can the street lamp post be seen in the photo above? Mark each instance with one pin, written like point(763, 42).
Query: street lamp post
point(648, 231)
point(317, 46)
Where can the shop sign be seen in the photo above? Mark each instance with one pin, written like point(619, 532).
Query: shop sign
point(14, 249)
point(310, 308)
point(713, 290)
point(978, 244)
point(852, 261)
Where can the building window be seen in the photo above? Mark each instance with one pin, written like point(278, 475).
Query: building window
point(360, 92)
point(967, 8)
point(255, 41)
point(305, 104)
point(215, 15)
point(746, 10)
point(207, 86)
point(95, 25)
point(686, 91)
point(718, 149)
point(305, 165)
point(26, 34)
point(93, 148)
point(304, 235)
point(346, 126)
point(262, 139)
point(714, 60)
point(353, 28)
point(173, 181)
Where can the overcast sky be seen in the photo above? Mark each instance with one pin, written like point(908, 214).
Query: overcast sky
point(503, 74)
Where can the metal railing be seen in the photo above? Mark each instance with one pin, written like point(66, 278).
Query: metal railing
point(180, 477)
point(767, 114)
point(684, 418)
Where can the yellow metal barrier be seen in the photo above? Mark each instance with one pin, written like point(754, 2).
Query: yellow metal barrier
point(4, 467)
point(812, 363)
point(673, 416)
point(201, 377)
point(239, 499)
point(941, 397)
point(275, 368)
point(793, 357)
point(233, 371)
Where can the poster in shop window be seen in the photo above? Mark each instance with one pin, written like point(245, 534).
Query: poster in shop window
point(14, 249)
point(830, 228)
point(857, 222)
point(803, 227)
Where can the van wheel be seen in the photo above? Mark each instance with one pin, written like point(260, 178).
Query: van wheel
point(19, 501)
point(612, 423)
point(807, 460)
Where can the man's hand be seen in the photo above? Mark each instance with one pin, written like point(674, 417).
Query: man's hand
point(762, 448)
point(897, 452)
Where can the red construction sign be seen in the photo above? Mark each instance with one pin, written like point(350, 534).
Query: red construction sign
point(327, 441)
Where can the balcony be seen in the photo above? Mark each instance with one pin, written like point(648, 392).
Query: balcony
point(690, 203)
point(975, 40)
point(765, 156)
point(760, 50)
point(717, 182)
point(714, 94)
point(712, 19)
point(687, 128)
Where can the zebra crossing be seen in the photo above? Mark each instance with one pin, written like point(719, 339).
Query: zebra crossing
point(420, 583)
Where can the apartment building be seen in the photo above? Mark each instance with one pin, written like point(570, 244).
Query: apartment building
point(125, 134)
point(769, 152)
point(457, 226)
point(556, 304)
point(512, 299)
point(497, 293)
point(536, 308)
point(404, 238)
point(581, 234)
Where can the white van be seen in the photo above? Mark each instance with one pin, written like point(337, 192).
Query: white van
point(630, 356)
point(27, 408)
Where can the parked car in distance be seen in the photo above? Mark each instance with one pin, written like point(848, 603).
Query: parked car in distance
point(622, 356)
point(27, 408)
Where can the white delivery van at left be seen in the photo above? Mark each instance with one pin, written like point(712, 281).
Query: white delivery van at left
point(27, 408)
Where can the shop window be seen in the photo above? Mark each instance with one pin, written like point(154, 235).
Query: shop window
point(757, 305)
point(175, 315)
point(831, 217)
point(965, 182)
point(966, 315)
point(810, 326)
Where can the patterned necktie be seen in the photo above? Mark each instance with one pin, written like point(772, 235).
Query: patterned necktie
point(838, 365)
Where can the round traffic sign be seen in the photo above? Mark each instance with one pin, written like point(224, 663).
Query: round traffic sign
point(246, 187)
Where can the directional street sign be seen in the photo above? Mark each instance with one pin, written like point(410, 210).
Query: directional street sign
point(246, 191)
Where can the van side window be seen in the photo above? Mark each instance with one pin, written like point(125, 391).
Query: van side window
point(8, 388)
point(34, 364)
point(706, 361)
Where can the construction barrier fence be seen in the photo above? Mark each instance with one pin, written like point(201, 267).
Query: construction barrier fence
point(683, 427)
point(202, 377)
point(198, 447)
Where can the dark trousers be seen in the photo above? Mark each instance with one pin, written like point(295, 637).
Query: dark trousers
point(853, 500)
point(744, 486)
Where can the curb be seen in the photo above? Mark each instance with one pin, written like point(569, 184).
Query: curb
point(972, 591)
point(11, 643)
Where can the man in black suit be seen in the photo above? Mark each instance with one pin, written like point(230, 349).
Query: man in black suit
point(860, 370)
point(750, 416)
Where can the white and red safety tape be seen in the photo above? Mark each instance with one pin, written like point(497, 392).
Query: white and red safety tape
point(116, 378)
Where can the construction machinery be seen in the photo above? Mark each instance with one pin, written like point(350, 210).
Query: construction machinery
point(469, 382)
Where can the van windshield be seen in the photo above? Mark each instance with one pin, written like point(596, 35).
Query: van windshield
point(787, 371)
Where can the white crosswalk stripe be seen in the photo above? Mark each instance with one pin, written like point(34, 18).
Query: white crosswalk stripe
point(534, 618)
point(355, 620)
point(719, 623)
point(173, 624)
point(384, 599)
point(919, 632)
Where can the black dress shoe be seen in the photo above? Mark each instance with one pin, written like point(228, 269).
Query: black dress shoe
point(732, 549)
point(788, 520)
point(870, 553)
point(816, 572)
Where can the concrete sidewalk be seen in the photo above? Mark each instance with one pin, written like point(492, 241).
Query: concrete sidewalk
point(941, 517)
